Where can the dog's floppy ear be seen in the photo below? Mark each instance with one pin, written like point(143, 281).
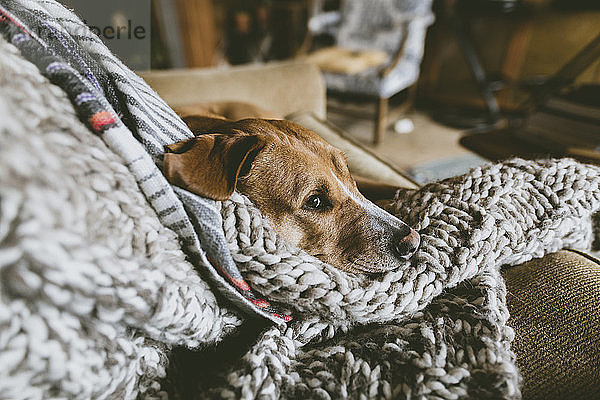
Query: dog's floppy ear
point(210, 165)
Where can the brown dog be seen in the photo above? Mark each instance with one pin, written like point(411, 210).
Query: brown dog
point(299, 182)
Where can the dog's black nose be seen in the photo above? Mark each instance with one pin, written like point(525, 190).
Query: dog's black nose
point(405, 243)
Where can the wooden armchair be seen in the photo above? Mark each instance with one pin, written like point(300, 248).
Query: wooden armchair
point(378, 50)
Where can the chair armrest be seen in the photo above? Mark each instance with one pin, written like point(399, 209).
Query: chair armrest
point(413, 39)
point(282, 88)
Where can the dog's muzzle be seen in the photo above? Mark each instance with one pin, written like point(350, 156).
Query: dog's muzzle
point(405, 243)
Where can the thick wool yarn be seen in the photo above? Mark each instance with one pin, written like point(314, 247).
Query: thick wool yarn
point(95, 290)
point(440, 340)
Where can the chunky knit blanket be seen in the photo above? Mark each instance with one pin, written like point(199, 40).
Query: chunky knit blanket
point(96, 290)
point(434, 328)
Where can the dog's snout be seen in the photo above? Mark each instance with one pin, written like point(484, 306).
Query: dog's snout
point(405, 243)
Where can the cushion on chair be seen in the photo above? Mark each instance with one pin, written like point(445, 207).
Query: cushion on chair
point(346, 61)
point(555, 312)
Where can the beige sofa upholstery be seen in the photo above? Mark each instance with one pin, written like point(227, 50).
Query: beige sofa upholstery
point(554, 308)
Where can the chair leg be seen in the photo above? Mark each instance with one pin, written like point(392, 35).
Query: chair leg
point(381, 121)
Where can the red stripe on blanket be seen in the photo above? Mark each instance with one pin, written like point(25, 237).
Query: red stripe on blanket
point(101, 119)
point(261, 303)
point(240, 283)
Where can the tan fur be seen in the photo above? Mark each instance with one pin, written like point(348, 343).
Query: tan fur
point(279, 165)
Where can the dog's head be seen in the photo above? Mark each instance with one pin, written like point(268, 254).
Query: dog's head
point(299, 182)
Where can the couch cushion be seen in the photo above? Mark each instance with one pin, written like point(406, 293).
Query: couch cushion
point(554, 304)
point(281, 88)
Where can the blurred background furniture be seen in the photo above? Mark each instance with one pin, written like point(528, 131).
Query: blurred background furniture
point(517, 44)
point(561, 118)
point(464, 11)
point(386, 36)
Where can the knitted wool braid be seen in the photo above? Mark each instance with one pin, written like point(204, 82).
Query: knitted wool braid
point(95, 290)
point(446, 333)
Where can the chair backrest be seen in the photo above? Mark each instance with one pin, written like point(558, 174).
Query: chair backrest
point(377, 24)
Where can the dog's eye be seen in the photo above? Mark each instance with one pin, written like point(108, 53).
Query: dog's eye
point(316, 202)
